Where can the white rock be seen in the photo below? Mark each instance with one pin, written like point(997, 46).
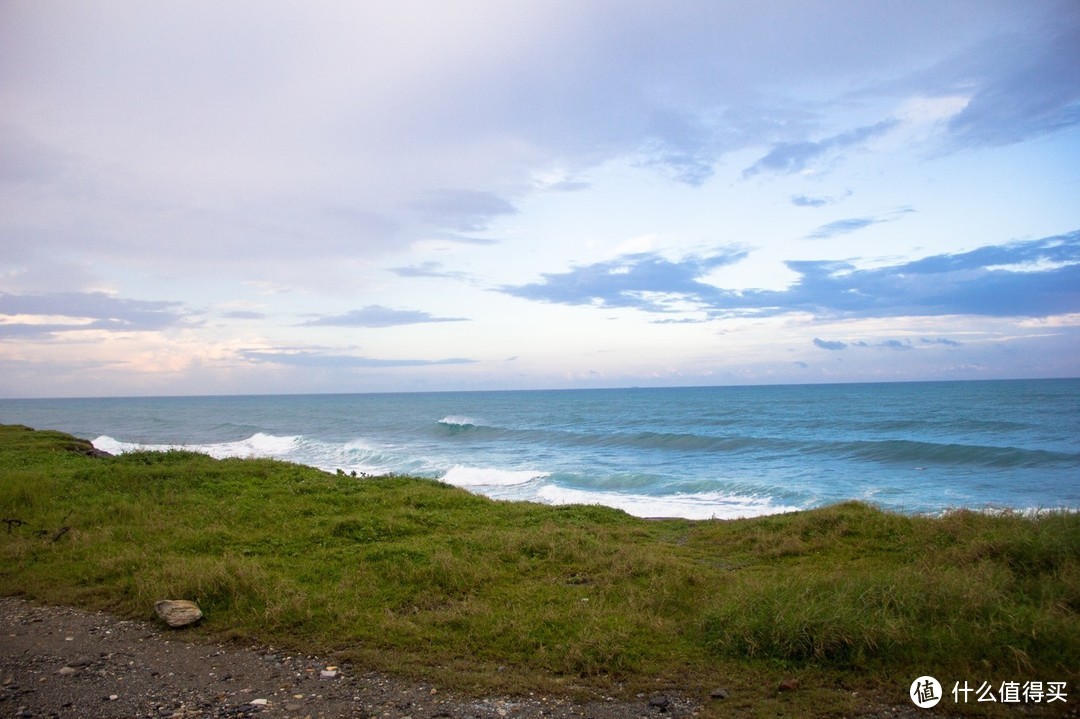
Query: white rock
point(178, 612)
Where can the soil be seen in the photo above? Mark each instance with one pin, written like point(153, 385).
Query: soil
point(65, 662)
point(62, 662)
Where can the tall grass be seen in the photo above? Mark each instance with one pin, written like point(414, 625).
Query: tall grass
point(419, 577)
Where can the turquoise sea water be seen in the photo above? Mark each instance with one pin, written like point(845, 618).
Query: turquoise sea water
point(691, 452)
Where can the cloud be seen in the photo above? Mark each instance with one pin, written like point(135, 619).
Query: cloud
point(378, 316)
point(897, 345)
point(316, 359)
point(1035, 278)
point(1023, 88)
point(244, 315)
point(807, 201)
point(371, 127)
point(25, 159)
point(842, 227)
point(645, 281)
point(428, 269)
point(43, 315)
point(568, 186)
point(789, 157)
point(829, 345)
point(940, 341)
point(462, 210)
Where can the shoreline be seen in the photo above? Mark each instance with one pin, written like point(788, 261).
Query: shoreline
point(695, 454)
point(414, 578)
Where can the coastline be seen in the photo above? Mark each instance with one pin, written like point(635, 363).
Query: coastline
point(475, 597)
point(690, 452)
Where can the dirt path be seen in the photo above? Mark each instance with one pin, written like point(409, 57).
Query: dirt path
point(63, 662)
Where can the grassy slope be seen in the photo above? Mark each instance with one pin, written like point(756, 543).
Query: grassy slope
point(420, 578)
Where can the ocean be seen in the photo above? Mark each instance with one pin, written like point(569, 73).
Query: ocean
point(699, 453)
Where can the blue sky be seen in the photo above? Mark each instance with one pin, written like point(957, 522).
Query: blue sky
point(250, 197)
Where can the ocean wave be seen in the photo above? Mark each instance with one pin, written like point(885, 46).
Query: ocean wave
point(662, 441)
point(904, 451)
point(689, 442)
point(455, 421)
point(257, 445)
point(705, 505)
point(462, 476)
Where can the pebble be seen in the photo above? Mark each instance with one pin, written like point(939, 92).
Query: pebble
point(719, 693)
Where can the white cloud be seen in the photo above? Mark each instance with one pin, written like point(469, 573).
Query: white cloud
point(262, 164)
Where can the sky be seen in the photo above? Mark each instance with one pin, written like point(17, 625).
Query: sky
point(284, 197)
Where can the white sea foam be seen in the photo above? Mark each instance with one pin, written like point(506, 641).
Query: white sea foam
point(462, 476)
point(257, 445)
point(456, 420)
point(706, 505)
point(113, 446)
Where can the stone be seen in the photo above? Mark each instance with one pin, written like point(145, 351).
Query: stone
point(719, 693)
point(178, 613)
point(659, 701)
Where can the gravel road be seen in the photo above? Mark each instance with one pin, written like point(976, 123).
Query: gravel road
point(65, 663)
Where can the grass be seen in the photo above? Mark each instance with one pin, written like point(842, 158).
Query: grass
point(422, 579)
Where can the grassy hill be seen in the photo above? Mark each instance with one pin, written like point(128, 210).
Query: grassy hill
point(422, 579)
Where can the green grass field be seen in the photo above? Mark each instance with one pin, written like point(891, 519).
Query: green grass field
point(425, 580)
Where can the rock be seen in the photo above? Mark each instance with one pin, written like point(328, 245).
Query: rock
point(66, 671)
point(719, 693)
point(659, 701)
point(178, 613)
point(788, 685)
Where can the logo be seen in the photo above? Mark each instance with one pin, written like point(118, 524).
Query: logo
point(925, 692)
